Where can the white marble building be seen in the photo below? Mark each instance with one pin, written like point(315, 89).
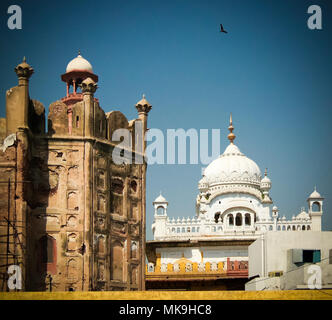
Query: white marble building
point(233, 209)
point(233, 203)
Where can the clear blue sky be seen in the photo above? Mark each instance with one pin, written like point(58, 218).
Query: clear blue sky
point(270, 71)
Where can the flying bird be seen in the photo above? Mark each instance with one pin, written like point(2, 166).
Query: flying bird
point(222, 29)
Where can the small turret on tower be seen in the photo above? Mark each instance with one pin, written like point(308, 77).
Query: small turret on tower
point(315, 203)
point(143, 107)
point(89, 87)
point(17, 99)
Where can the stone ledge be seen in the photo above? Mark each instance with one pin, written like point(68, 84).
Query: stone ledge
point(172, 295)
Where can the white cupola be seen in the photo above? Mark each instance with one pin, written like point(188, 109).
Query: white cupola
point(160, 206)
point(315, 203)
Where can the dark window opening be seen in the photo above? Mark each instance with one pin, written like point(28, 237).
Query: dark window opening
point(316, 207)
point(117, 186)
point(247, 220)
point(47, 254)
point(77, 121)
point(231, 220)
point(216, 217)
point(133, 185)
point(238, 219)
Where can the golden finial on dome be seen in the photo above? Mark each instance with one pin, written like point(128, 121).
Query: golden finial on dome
point(231, 135)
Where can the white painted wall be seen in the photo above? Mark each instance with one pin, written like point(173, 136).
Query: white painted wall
point(273, 253)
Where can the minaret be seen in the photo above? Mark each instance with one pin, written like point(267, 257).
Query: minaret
point(266, 185)
point(143, 107)
point(89, 87)
point(160, 218)
point(17, 100)
point(315, 203)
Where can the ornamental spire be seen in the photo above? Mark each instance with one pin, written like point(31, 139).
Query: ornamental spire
point(231, 135)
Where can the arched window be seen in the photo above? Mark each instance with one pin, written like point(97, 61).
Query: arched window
point(188, 229)
point(283, 228)
point(160, 210)
point(315, 207)
point(117, 185)
point(238, 219)
point(230, 220)
point(294, 228)
point(193, 229)
point(101, 245)
point(178, 230)
point(216, 217)
point(303, 228)
point(308, 227)
point(133, 186)
point(173, 229)
point(288, 228)
point(247, 219)
point(270, 228)
point(279, 228)
point(183, 229)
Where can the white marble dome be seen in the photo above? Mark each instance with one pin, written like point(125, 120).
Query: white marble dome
point(315, 195)
point(79, 63)
point(160, 199)
point(233, 167)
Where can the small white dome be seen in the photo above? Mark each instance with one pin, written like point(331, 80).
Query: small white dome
point(233, 167)
point(315, 195)
point(302, 215)
point(79, 63)
point(160, 199)
point(203, 184)
point(275, 208)
point(266, 179)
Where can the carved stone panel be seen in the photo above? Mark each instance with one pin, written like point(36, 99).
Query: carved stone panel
point(72, 242)
point(118, 228)
point(72, 201)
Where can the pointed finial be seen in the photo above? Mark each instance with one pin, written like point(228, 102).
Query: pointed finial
point(315, 188)
point(143, 96)
point(79, 52)
point(265, 173)
point(24, 59)
point(231, 135)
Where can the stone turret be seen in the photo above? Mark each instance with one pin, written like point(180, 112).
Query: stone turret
point(17, 100)
point(88, 87)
